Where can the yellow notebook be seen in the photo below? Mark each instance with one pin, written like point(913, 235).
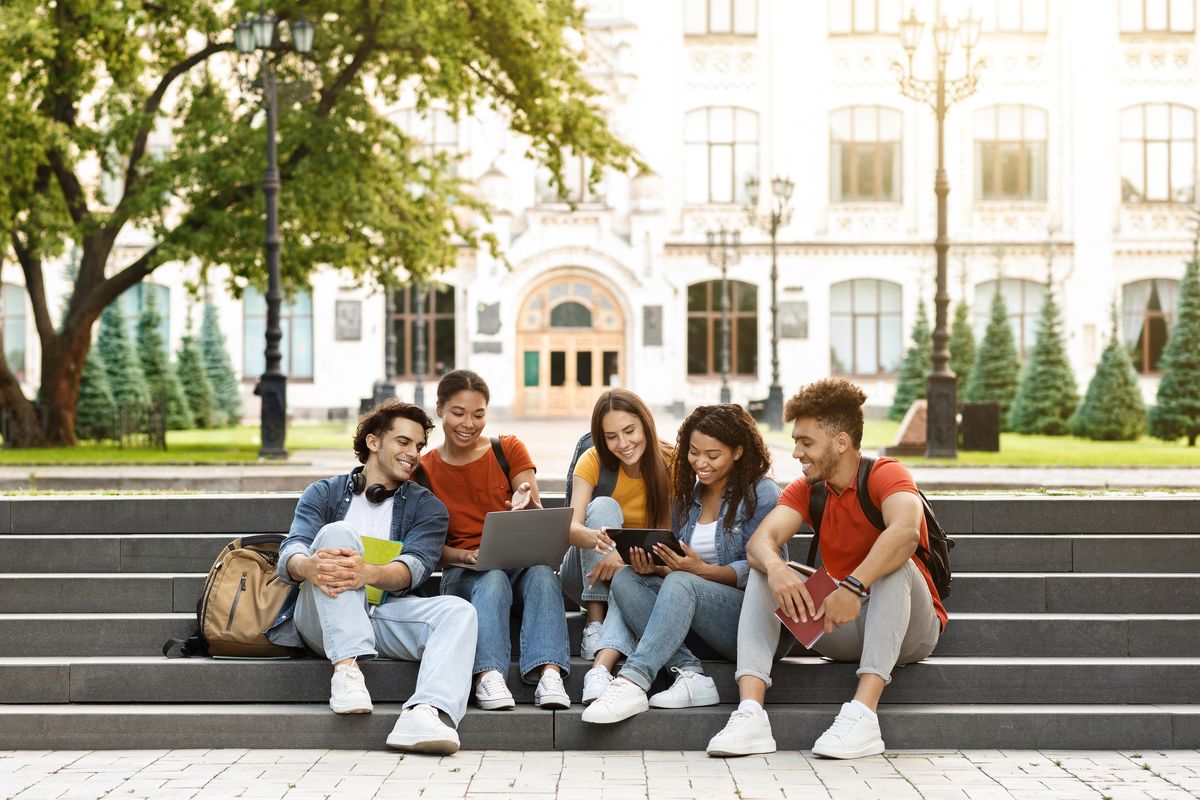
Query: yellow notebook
point(379, 551)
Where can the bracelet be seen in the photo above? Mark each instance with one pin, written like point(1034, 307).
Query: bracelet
point(855, 585)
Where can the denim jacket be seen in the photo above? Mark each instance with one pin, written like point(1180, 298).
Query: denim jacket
point(731, 545)
point(418, 519)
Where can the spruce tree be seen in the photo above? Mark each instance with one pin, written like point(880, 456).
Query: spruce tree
point(164, 383)
point(1112, 409)
point(195, 382)
point(915, 369)
point(994, 374)
point(121, 363)
point(1176, 411)
point(962, 347)
point(219, 368)
point(1047, 395)
point(96, 410)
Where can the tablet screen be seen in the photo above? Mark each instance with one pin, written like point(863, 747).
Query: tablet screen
point(645, 538)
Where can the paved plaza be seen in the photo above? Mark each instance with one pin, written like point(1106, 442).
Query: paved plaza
point(491, 775)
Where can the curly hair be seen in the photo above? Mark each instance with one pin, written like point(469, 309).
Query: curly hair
point(378, 420)
point(652, 464)
point(836, 405)
point(733, 427)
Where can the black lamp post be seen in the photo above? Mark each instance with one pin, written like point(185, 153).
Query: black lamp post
point(251, 35)
point(723, 252)
point(941, 438)
point(771, 222)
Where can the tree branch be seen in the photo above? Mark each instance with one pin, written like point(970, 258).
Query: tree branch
point(35, 285)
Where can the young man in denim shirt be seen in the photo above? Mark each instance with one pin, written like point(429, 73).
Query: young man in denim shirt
point(331, 615)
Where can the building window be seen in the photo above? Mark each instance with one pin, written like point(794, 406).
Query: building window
point(721, 144)
point(12, 307)
point(858, 17)
point(704, 328)
point(1158, 154)
point(866, 336)
point(1013, 16)
point(296, 344)
point(1010, 154)
point(1158, 16)
point(866, 154)
point(133, 302)
point(1147, 313)
point(1022, 299)
point(437, 311)
point(717, 17)
point(434, 134)
point(577, 172)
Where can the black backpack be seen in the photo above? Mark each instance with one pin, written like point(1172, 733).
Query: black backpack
point(501, 459)
point(608, 477)
point(936, 557)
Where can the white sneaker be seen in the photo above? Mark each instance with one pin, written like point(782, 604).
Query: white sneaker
point(421, 730)
point(621, 700)
point(595, 681)
point(492, 694)
point(747, 733)
point(550, 692)
point(690, 689)
point(348, 691)
point(591, 638)
point(851, 735)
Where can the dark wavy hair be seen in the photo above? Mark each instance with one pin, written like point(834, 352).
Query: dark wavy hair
point(461, 380)
point(378, 420)
point(734, 427)
point(836, 405)
point(653, 462)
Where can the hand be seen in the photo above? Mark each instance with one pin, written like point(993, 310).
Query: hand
point(604, 544)
point(605, 570)
point(521, 498)
point(688, 562)
point(643, 563)
point(788, 590)
point(840, 606)
point(338, 570)
point(468, 556)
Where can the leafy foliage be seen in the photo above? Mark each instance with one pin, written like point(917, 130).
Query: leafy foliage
point(219, 368)
point(96, 415)
point(163, 382)
point(125, 377)
point(915, 369)
point(994, 375)
point(1112, 409)
point(1176, 412)
point(1047, 395)
point(962, 347)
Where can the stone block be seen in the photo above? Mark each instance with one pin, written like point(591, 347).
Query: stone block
point(1122, 553)
point(98, 594)
point(1123, 594)
point(160, 514)
point(34, 683)
point(90, 634)
point(41, 554)
point(993, 594)
point(180, 553)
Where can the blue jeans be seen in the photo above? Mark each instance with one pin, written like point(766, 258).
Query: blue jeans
point(661, 611)
point(543, 620)
point(602, 512)
point(439, 632)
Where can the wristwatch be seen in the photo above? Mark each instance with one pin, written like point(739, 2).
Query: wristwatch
point(855, 585)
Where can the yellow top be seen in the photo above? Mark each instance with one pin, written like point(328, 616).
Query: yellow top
point(630, 492)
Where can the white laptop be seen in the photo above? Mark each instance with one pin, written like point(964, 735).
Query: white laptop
point(525, 538)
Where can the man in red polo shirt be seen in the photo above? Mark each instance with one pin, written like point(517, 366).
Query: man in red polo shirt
point(886, 610)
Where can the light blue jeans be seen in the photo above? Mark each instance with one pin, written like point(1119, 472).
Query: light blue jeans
point(602, 512)
point(439, 632)
point(661, 611)
point(543, 619)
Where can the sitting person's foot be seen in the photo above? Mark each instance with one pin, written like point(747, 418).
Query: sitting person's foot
point(348, 691)
point(550, 692)
point(854, 734)
point(492, 694)
point(421, 730)
point(591, 638)
point(689, 690)
point(595, 681)
point(748, 732)
point(621, 700)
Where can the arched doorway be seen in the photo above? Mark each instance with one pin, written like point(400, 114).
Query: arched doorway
point(570, 345)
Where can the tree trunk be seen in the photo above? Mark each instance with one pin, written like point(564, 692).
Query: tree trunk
point(22, 429)
point(62, 370)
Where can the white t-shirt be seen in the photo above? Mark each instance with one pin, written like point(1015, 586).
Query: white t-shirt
point(704, 541)
point(369, 519)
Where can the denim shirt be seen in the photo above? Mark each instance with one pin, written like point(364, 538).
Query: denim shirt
point(418, 519)
point(731, 545)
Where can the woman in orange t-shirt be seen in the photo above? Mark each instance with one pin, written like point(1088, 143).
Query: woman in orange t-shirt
point(464, 474)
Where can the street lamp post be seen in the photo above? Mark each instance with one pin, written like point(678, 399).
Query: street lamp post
point(419, 347)
point(941, 439)
point(779, 215)
point(251, 35)
point(723, 252)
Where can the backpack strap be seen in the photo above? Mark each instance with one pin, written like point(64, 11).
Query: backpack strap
point(498, 451)
point(188, 648)
point(818, 495)
point(873, 514)
point(606, 482)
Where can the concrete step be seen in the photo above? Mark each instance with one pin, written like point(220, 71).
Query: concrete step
point(802, 679)
point(796, 727)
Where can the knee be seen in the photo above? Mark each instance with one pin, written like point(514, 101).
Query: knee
point(625, 581)
point(896, 581)
point(455, 610)
point(604, 512)
point(338, 534)
point(493, 585)
point(542, 578)
point(679, 581)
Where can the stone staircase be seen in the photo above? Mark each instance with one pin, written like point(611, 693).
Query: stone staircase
point(1075, 623)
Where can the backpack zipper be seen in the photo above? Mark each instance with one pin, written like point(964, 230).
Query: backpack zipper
point(236, 598)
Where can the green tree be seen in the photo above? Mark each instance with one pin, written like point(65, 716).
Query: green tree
point(220, 369)
point(96, 416)
point(915, 369)
point(962, 347)
point(1112, 409)
point(88, 83)
point(161, 378)
point(994, 375)
point(1176, 411)
point(1047, 395)
point(121, 362)
point(196, 386)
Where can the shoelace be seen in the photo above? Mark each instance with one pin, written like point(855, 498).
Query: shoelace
point(355, 682)
point(492, 683)
point(427, 710)
point(552, 682)
point(841, 724)
point(736, 720)
point(615, 690)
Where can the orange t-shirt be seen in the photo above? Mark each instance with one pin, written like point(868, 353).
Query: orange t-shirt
point(846, 534)
point(472, 490)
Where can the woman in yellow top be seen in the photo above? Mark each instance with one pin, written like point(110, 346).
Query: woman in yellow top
point(626, 442)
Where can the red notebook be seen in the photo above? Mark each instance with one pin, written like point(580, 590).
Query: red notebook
point(819, 586)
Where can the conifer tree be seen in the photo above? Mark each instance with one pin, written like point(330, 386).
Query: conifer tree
point(96, 411)
point(125, 377)
point(160, 373)
point(220, 369)
point(915, 369)
point(195, 382)
point(1176, 412)
point(994, 374)
point(1047, 395)
point(1112, 409)
point(962, 347)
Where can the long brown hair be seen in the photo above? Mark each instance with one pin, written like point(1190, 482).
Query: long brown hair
point(653, 461)
point(734, 428)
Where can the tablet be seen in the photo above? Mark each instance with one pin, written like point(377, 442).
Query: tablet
point(645, 538)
